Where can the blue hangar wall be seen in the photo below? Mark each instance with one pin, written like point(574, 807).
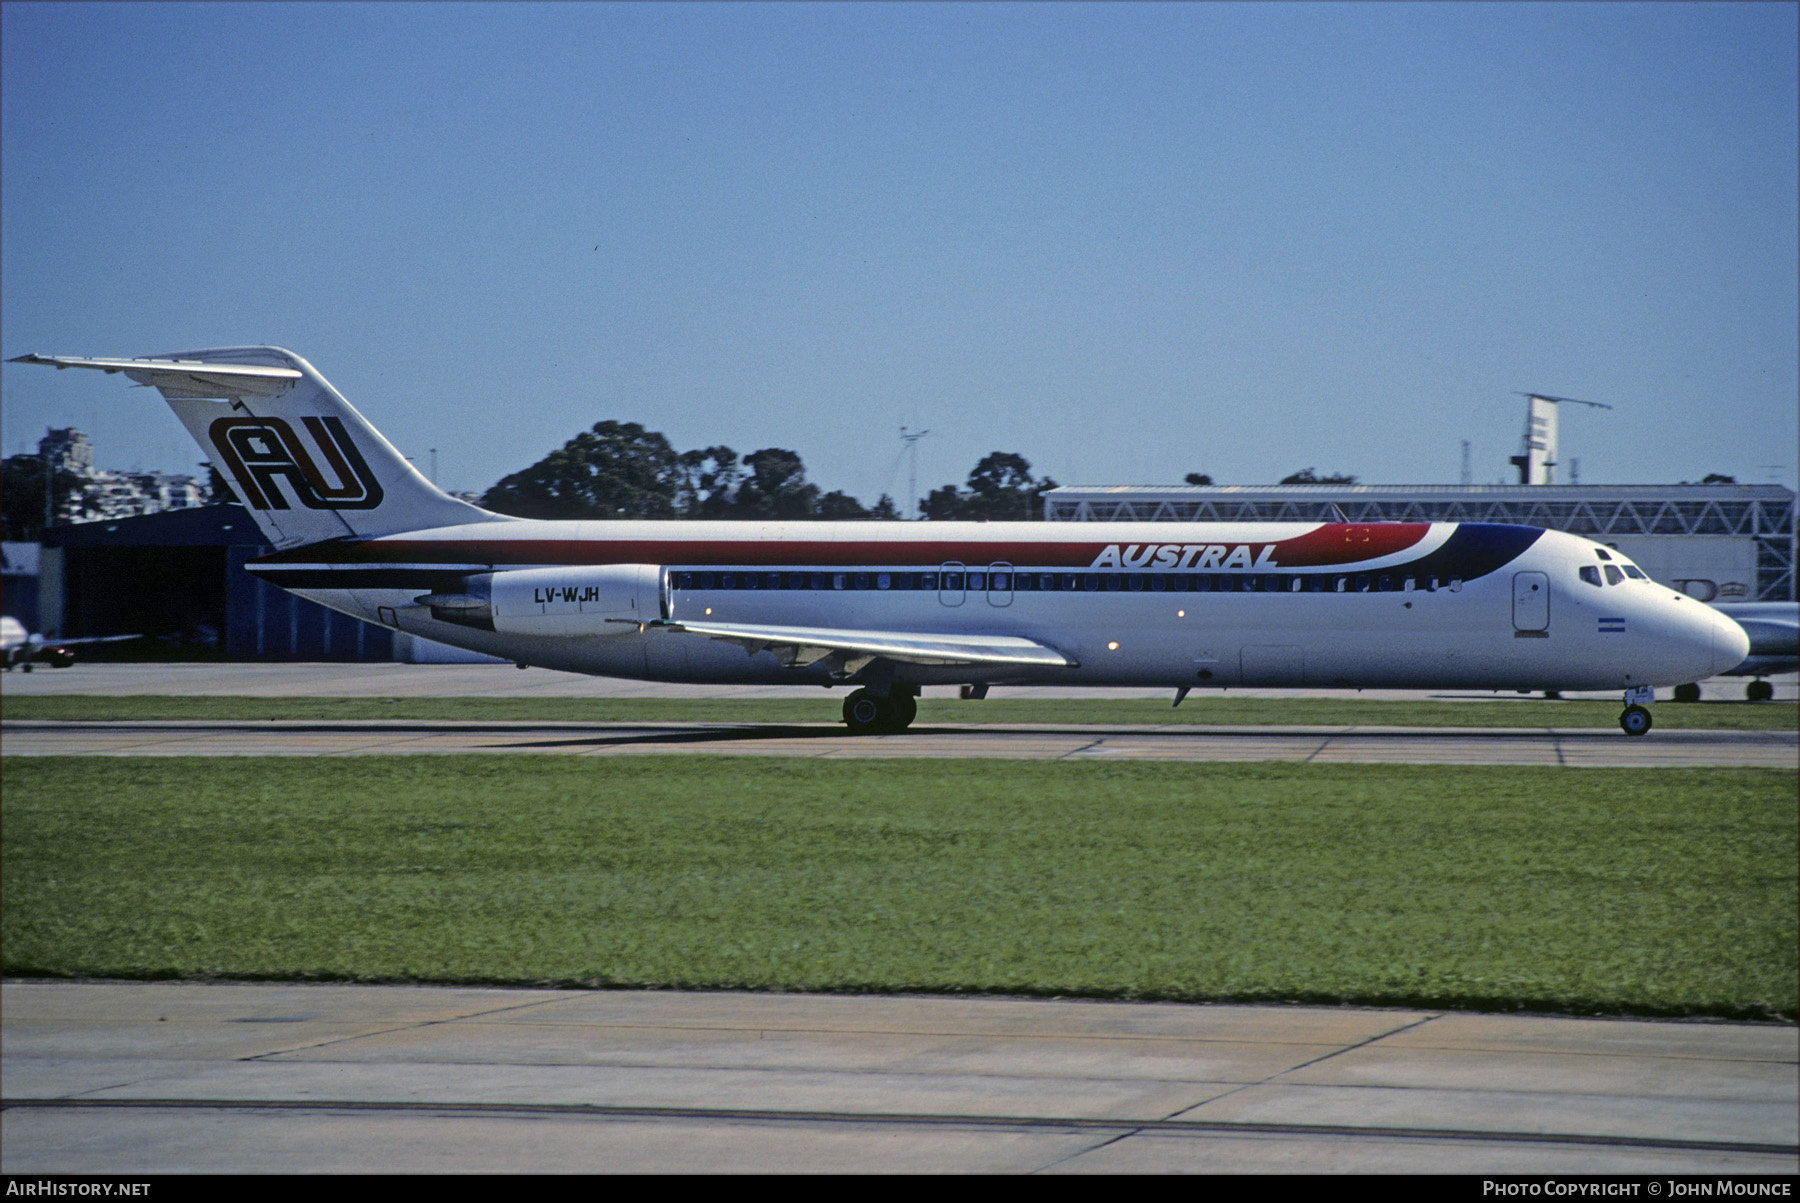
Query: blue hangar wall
point(179, 576)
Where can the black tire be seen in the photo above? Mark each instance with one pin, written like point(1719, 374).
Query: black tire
point(1635, 720)
point(866, 714)
point(1687, 693)
point(906, 709)
point(1759, 691)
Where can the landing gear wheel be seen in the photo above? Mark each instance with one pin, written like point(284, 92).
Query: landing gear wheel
point(866, 714)
point(1687, 693)
point(906, 708)
point(1759, 691)
point(1635, 720)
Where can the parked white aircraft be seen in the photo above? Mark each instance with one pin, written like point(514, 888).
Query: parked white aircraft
point(21, 649)
point(889, 607)
point(1774, 631)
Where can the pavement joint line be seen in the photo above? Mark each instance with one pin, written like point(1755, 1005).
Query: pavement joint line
point(1123, 1126)
point(414, 1026)
point(1336, 1052)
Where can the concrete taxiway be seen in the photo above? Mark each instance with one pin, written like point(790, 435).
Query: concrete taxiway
point(150, 1078)
point(493, 679)
point(121, 1078)
point(968, 736)
point(1597, 747)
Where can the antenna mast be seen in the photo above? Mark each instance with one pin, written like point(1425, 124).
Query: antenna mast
point(912, 471)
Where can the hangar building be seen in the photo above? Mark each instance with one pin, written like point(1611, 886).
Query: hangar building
point(1715, 542)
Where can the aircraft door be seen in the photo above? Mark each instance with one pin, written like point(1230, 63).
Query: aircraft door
point(1000, 583)
point(1531, 601)
point(953, 578)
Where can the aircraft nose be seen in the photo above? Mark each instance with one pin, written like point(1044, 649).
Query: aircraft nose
point(1730, 644)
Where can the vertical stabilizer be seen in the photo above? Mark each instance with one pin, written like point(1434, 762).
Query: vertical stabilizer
point(305, 464)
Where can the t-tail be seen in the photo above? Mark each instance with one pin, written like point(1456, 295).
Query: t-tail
point(299, 456)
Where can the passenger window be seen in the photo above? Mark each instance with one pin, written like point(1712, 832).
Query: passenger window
point(928, 581)
point(1136, 582)
point(1456, 584)
point(1591, 574)
point(1385, 584)
point(1613, 575)
point(1113, 581)
point(1362, 584)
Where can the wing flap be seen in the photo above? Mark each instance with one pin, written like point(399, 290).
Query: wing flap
point(182, 377)
point(804, 645)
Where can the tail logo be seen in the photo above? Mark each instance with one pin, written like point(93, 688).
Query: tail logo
point(259, 451)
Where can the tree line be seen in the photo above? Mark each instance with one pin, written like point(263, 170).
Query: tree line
point(621, 470)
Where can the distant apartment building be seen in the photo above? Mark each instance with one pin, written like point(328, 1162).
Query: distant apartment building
point(103, 494)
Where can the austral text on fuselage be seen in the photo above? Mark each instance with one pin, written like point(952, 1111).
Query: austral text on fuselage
point(1187, 555)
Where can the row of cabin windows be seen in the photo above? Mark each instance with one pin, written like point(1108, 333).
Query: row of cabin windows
point(1070, 582)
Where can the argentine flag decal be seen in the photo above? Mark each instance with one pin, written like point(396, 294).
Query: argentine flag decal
point(1612, 626)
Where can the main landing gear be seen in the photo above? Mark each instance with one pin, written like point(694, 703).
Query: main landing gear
point(866, 714)
point(1758, 690)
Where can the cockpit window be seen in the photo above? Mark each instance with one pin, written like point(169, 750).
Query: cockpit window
point(1591, 574)
point(1602, 553)
point(1635, 573)
point(1613, 575)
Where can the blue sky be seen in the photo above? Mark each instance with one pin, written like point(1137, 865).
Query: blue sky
point(1126, 241)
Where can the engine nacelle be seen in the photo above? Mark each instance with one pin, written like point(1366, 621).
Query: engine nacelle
point(577, 601)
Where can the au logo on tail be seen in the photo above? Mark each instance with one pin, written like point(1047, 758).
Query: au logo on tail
point(257, 451)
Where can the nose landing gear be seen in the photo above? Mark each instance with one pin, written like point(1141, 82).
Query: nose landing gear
point(1636, 719)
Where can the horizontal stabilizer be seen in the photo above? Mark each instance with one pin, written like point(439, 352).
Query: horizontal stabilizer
point(804, 645)
point(184, 378)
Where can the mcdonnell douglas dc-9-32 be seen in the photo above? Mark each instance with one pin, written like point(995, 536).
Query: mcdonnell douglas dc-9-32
point(885, 608)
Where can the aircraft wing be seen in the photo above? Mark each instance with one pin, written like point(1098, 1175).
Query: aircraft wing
point(187, 378)
point(800, 646)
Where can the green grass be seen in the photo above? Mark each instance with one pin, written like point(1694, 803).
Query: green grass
point(817, 706)
point(1651, 892)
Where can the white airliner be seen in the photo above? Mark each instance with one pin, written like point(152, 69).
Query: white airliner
point(887, 607)
point(21, 649)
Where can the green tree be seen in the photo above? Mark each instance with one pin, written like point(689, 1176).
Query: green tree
point(776, 487)
point(837, 506)
point(708, 482)
point(1306, 476)
point(615, 470)
point(22, 498)
point(1001, 488)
